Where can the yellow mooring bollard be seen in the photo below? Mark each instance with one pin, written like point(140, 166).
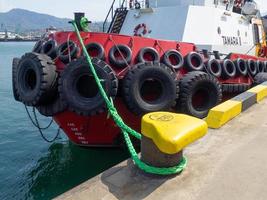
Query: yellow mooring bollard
point(165, 135)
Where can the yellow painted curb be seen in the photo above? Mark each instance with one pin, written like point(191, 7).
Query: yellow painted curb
point(221, 114)
point(260, 90)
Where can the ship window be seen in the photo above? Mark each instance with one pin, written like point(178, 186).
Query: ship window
point(237, 10)
point(219, 30)
point(246, 33)
point(238, 33)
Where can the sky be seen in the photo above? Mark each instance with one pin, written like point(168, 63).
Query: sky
point(96, 10)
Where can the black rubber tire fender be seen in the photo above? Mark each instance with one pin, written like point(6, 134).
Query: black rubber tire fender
point(265, 63)
point(173, 58)
point(78, 89)
point(228, 69)
point(150, 79)
point(194, 62)
point(260, 78)
point(260, 66)
point(50, 49)
point(252, 67)
point(36, 79)
point(120, 49)
point(38, 46)
point(95, 50)
point(235, 88)
point(15, 64)
point(194, 84)
point(148, 51)
point(53, 108)
point(213, 67)
point(137, 5)
point(64, 54)
point(241, 67)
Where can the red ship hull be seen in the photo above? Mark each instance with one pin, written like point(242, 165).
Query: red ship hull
point(89, 128)
point(100, 130)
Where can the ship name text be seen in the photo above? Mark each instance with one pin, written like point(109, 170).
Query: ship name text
point(229, 40)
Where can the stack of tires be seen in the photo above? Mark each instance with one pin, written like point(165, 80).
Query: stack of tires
point(153, 84)
point(189, 84)
point(37, 83)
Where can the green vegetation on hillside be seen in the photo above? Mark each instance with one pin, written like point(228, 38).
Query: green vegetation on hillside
point(24, 21)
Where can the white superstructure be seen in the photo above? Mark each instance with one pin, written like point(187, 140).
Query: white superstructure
point(219, 25)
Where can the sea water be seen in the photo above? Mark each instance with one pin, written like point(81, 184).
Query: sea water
point(30, 168)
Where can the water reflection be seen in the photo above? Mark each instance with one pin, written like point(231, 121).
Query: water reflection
point(65, 166)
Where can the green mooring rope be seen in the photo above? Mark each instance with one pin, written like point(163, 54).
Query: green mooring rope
point(84, 24)
point(126, 130)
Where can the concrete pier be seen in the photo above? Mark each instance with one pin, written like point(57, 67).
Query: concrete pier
point(228, 163)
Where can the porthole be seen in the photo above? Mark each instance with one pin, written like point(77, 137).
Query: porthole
point(219, 30)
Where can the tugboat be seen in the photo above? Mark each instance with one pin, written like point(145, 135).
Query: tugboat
point(154, 55)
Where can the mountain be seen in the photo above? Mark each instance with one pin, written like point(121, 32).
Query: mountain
point(20, 20)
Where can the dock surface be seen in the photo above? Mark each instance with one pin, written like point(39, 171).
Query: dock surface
point(228, 163)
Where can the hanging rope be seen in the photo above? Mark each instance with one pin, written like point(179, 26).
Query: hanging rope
point(122, 56)
point(126, 130)
point(36, 123)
